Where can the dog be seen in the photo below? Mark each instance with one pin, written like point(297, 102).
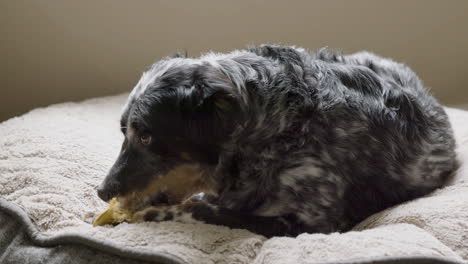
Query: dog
point(280, 140)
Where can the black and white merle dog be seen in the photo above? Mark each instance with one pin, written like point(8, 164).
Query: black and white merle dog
point(283, 141)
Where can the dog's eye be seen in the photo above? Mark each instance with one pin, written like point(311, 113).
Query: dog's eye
point(145, 139)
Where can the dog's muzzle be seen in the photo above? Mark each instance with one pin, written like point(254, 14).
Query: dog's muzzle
point(106, 191)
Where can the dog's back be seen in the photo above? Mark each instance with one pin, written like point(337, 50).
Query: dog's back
point(415, 134)
point(359, 133)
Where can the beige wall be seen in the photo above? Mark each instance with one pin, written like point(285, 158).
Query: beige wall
point(53, 51)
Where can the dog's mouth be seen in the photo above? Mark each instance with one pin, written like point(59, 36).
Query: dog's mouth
point(176, 186)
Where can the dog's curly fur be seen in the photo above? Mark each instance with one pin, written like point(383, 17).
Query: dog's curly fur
point(293, 141)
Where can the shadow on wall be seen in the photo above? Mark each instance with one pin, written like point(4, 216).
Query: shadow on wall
point(59, 50)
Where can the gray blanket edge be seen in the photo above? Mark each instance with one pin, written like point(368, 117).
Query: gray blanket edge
point(74, 239)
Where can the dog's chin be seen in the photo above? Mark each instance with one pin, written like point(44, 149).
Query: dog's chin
point(175, 187)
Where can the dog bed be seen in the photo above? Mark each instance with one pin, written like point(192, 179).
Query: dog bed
point(52, 159)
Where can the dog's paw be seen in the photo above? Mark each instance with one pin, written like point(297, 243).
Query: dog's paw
point(180, 213)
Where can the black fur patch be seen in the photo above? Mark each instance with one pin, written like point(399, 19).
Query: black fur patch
point(168, 216)
point(151, 215)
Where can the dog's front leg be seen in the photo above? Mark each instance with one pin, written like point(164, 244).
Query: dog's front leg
point(192, 212)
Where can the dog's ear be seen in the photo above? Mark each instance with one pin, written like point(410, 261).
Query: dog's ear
point(216, 92)
point(219, 101)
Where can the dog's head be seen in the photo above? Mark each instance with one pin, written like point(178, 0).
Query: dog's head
point(178, 116)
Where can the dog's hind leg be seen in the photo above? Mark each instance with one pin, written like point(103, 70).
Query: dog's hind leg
point(192, 212)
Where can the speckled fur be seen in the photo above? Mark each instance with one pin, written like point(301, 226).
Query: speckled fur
point(316, 141)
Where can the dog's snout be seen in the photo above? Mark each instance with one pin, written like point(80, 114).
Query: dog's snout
point(104, 194)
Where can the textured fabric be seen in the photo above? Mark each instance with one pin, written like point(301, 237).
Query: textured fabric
point(16, 247)
point(52, 159)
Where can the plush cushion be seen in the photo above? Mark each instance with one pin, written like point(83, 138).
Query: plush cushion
point(52, 159)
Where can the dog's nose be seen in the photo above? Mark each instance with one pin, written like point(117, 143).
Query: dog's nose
point(104, 194)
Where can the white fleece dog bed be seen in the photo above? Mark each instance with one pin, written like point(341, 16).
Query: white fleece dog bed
point(52, 159)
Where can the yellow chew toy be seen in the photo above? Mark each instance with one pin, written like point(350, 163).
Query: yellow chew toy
point(113, 215)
